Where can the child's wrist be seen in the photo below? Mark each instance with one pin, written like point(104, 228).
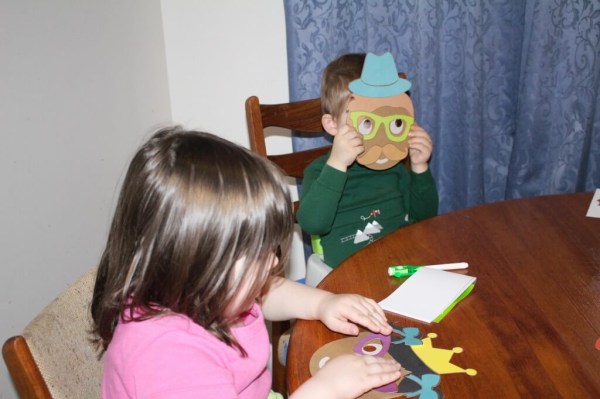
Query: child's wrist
point(323, 302)
point(419, 168)
point(335, 164)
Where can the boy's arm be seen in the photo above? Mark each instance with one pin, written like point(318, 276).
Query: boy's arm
point(323, 185)
point(420, 148)
point(424, 199)
point(322, 189)
point(423, 193)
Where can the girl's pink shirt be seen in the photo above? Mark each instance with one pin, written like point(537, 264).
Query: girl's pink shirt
point(172, 357)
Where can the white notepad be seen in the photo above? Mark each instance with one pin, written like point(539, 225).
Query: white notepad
point(428, 294)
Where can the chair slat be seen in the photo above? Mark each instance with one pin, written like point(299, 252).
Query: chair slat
point(23, 370)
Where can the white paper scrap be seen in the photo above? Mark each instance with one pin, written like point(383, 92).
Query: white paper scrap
point(594, 209)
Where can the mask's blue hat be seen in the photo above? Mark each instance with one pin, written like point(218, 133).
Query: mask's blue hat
point(379, 78)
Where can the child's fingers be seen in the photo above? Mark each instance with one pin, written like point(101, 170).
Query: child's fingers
point(377, 364)
point(420, 143)
point(373, 308)
point(351, 375)
point(419, 137)
point(418, 132)
point(344, 327)
point(352, 138)
point(370, 315)
point(348, 311)
point(424, 148)
point(381, 371)
point(374, 323)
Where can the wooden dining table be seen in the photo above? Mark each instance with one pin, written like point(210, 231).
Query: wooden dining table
point(530, 327)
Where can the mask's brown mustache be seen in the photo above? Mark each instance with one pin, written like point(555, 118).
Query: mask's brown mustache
point(390, 151)
point(369, 156)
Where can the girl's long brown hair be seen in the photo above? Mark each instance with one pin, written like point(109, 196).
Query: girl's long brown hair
point(191, 205)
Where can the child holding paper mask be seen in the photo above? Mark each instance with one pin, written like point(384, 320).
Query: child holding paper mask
point(361, 191)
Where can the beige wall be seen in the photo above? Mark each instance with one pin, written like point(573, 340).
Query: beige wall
point(81, 85)
point(218, 54)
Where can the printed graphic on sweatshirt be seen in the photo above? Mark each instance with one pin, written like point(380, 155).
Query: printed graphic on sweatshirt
point(370, 231)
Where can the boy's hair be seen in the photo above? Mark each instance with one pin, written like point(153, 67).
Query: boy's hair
point(191, 205)
point(334, 84)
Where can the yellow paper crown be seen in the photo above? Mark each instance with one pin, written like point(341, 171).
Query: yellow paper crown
point(437, 359)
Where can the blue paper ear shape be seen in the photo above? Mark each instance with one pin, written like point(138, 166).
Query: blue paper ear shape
point(379, 78)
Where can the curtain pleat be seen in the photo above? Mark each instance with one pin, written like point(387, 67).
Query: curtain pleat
point(508, 90)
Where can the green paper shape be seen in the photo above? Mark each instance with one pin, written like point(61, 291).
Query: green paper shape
point(453, 304)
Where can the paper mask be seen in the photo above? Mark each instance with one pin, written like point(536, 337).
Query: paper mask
point(371, 344)
point(382, 112)
point(422, 363)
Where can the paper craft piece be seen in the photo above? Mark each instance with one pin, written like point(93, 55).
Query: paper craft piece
point(429, 294)
point(381, 111)
point(422, 364)
point(364, 344)
point(594, 209)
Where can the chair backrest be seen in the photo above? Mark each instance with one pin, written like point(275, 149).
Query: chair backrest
point(302, 116)
point(54, 356)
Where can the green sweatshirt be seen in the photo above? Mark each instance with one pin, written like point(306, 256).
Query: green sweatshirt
point(350, 210)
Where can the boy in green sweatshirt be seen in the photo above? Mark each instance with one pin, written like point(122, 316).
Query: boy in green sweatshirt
point(360, 191)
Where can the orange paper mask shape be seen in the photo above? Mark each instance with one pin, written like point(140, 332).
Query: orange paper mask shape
point(381, 110)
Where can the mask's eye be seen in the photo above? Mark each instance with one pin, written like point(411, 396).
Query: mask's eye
point(323, 361)
point(365, 126)
point(372, 348)
point(397, 126)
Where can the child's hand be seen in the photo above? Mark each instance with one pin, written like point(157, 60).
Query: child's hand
point(340, 312)
point(347, 145)
point(349, 376)
point(420, 147)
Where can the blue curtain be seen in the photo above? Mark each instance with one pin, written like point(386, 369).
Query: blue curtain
point(508, 90)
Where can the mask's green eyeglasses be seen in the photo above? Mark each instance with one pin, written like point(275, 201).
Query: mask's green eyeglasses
point(367, 124)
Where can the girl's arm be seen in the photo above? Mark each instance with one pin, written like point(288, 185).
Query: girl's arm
point(346, 376)
point(290, 300)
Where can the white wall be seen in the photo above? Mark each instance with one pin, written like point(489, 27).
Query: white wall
point(81, 85)
point(220, 53)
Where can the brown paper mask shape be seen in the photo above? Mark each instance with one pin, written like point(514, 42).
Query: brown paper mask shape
point(365, 343)
point(382, 112)
point(422, 363)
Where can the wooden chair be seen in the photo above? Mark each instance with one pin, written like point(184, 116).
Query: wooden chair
point(302, 116)
point(54, 356)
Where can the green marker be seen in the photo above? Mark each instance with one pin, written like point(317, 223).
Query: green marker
point(409, 270)
point(402, 271)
